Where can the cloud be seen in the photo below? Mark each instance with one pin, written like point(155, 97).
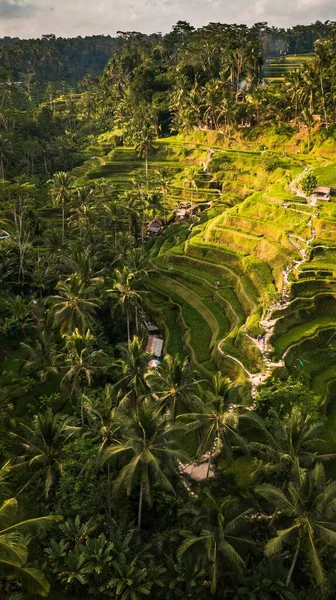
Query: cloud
point(84, 17)
point(16, 9)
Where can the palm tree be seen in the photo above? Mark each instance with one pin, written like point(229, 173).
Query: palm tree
point(227, 112)
point(323, 53)
point(61, 191)
point(217, 421)
point(125, 289)
point(114, 217)
point(41, 354)
point(14, 548)
point(131, 208)
point(6, 150)
point(132, 369)
point(309, 505)
point(212, 98)
point(74, 306)
point(294, 85)
point(103, 416)
point(43, 447)
point(163, 181)
point(145, 145)
point(150, 452)
point(214, 538)
point(308, 120)
point(175, 385)
point(81, 362)
point(81, 261)
point(295, 437)
point(308, 88)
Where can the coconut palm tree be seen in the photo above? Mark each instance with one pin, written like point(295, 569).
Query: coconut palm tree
point(132, 369)
point(81, 260)
point(41, 354)
point(323, 52)
point(75, 305)
point(308, 511)
point(81, 362)
point(6, 150)
point(131, 207)
point(149, 451)
point(215, 538)
point(218, 421)
point(294, 437)
point(144, 145)
point(61, 187)
point(294, 85)
point(43, 445)
point(104, 420)
point(212, 95)
point(14, 548)
point(308, 87)
point(124, 287)
point(175, 385)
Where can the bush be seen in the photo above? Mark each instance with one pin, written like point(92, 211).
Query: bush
point(308, 183)
point(270, 161)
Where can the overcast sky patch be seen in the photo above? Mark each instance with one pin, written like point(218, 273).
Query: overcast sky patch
point(16, 9)
point(32, 18)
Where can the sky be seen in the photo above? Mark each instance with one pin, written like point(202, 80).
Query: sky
point(70, 18)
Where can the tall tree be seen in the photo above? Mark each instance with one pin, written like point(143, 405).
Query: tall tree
point(61, 186)
point(175, 385)
point(308, 512)
point(43, 445)
point(14, 549)
point(150, 452)
point(75, 305)
point(217, 535)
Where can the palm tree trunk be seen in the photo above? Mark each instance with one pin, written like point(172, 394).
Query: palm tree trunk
point(323, 100)
point(140, 506)
point(27, 484)
point(63, 222)
point(209, 463)
point(143, 225)
point(136, 320)
point(128, 326)
point(293, 563)
point(164, 209)
point(109, 508)
point(82, 409)
point(174, 410)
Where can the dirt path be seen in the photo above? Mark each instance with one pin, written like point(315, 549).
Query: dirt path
point(268, 322)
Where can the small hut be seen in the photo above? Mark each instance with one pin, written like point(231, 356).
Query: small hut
point(322, 193)
point(154, 228)
point(240, 97)
point(184, 210)
point(154, 346)
point(151, 327)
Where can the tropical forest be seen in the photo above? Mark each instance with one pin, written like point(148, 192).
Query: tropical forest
point(168, 314)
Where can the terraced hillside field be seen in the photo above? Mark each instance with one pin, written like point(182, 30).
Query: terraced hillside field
point(259, 262)
point(276, 68)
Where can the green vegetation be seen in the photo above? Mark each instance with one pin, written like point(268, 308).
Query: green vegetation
point(168, 195)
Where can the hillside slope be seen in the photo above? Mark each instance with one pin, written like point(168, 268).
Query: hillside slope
point(259, 262)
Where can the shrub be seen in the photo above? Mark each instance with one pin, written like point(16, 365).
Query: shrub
point(270, 161)
point(308, 183)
